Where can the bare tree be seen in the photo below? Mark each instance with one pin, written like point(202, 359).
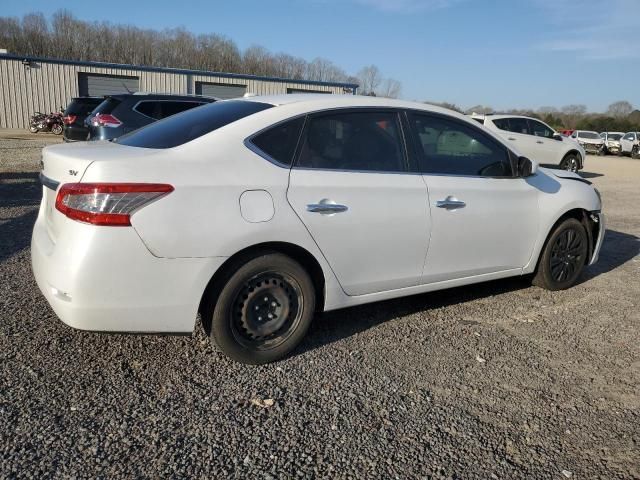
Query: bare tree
point(620, 109)
point(447, 105)
point(390, 88)
point(481, 109)
point(571, 114)
point(370, 79)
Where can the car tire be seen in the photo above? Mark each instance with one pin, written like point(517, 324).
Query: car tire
point(570, 162)
point(563, 257)
point(635, 152)
point(263, 308)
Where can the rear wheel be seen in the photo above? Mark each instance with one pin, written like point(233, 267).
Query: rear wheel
point(263, 310)
point(56, 129)
point(635, 152)
point(33, 129)
point(563, 257)
point(570, 162)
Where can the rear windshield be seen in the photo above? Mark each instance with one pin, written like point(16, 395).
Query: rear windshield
point(82, 106)
point(107, 106)
point(186, 126)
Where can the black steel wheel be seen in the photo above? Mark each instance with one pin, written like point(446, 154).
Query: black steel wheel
point(262, 308)
point(563, 257)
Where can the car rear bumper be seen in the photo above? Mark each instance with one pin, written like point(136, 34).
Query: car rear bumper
point(598, 243)
point(105, 279)
point(73, 133)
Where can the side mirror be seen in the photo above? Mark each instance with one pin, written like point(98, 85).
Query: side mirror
point(526, 167)
point(557, 136)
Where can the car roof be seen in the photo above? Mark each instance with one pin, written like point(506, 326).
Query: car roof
point(344, 101)
point(160, 96)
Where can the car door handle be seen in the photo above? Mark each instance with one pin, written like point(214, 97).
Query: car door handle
point(539, 141)
point(450, 203)
point(511, 138)
point(326, 207)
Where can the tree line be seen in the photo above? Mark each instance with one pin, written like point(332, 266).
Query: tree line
point(619, 117)
point(66, 37)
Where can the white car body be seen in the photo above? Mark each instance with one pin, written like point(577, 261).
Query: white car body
point(630, 140)
point(228, 197)
point(590, 141)
point(612, 141)
point(532, 138)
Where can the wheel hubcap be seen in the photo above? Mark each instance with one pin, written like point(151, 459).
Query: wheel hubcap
point(266, 310)
point(567, 255)
point(572, 165)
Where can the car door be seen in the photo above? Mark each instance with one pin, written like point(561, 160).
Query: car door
point(516, 132)
point(626, 142)
point(483, 219)
point(545, 148)
point(351, 188)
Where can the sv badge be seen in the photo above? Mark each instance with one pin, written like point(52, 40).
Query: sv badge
point(73, 172)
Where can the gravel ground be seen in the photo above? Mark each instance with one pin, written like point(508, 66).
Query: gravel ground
point(501, 380)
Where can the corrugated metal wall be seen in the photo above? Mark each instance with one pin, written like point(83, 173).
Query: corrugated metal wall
point(45, 87)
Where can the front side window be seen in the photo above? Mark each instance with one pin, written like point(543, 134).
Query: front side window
point(363, 141)
point(502, 123)
point(539, 129)
point(279, 142)
point(450, 147)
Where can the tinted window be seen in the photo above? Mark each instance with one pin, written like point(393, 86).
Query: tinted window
point(150, 109)
point(539, 129)
point(280, 142)
point(367, 141)
point(590, 135)
point(107, 106)
point(171, 108)
point(194, 123)
point(502, 123)
point(519, 125)
point(451, 147)
point(82, 106)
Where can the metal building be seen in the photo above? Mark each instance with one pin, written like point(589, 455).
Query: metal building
point(30, 84)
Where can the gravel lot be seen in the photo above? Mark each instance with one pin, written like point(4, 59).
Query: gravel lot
point(501, 380)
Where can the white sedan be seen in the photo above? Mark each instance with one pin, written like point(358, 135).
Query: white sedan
point(261, 211)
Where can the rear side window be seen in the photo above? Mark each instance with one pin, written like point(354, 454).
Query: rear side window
point(186, 126)
point(519, 125)
point(363, 141)
point(450, 147)
point(280, 142)
point(159, 109)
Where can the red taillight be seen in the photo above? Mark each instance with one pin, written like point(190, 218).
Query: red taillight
point(110, 204)
point(105, 120)
point(69, 119)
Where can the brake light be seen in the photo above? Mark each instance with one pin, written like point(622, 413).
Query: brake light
point(105, 120)
point(69, 119)
point(109, 204)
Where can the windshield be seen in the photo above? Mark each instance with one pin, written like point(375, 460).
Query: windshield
point(591, 135)
point(186, 126)
point(614, 136)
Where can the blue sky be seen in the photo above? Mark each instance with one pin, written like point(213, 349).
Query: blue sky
point(517, 53)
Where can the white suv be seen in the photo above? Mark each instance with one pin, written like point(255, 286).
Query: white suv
point(630, 144)
point(536, 140)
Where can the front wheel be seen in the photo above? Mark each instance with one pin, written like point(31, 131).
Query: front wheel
point(571, 163)
point(563, 257)
point(263, 310)
point(635, 152)
point(56, 129)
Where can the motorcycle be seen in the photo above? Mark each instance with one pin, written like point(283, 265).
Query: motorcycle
point(40, 122)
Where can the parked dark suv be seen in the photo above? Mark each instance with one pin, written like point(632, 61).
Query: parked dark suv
point(75, 115)
point(120, 114)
